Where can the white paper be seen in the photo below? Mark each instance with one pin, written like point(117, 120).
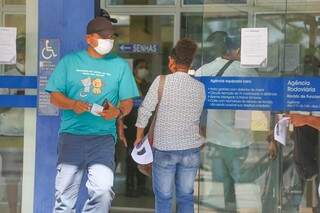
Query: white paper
point(8, 52)
point(300, 112)
point(260, 121)
point(142, 153)
point(315, 113)
point(281, 130)
point(254, 47)
point(96, 109)
point(242, 119)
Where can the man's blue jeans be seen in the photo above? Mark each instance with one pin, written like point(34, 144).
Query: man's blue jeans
point(99, 185)
point(78, 154)
point(175, 170)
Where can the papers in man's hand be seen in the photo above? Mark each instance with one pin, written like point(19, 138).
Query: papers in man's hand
point(254, 47)
point(8, 37)
point(96, 109)
point(142, 153)
point(281, 130)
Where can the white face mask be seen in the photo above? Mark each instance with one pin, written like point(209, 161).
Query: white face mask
point(20, 67)
point(104, 46)
point(142, 73)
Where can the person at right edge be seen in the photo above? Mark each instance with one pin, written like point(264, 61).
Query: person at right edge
point(306, 144)
point(177, 140)
point(230, 143)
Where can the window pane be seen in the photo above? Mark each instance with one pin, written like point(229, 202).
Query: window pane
point(140, 2)
point(191, 27)
point(145, 42)
point(11, 157)
point(15, 2)
point(234, 174)
point(215, 1)
point(18, 21)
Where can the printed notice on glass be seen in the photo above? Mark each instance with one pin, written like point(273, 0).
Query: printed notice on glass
point(49, 56)
point(254, 47)
point(262, 94)
point(8, 50)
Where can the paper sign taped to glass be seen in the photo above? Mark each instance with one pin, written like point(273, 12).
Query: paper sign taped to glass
point(254, 47)
point(253, 120)
point(8, 52)
point(142, 152)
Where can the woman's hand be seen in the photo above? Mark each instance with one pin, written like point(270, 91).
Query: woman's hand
point(137, 141)
point(140, 135)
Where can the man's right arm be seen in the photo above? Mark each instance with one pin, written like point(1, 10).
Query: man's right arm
point(61, 101)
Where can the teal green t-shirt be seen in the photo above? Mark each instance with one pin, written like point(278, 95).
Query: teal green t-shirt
point(81, 77)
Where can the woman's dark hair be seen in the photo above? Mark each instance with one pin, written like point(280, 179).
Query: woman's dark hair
point(184, 51)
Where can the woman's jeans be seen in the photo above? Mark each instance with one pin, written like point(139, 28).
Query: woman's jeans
point(175, 170)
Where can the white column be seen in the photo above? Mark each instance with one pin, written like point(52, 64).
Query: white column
point(30, 114)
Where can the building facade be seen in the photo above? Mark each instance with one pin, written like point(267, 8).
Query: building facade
point(148, 29)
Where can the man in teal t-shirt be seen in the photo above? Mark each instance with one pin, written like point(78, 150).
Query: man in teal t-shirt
point(93, 88)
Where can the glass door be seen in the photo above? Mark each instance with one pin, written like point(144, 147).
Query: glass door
point(17, 103)
point(145, 41)
point(243, 169)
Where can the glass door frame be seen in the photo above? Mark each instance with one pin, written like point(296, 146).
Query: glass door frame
point(30, 10)
point(175, 10)
point(131, 11)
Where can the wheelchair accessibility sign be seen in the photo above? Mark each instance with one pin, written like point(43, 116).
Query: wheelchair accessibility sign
point(49, 56)
point(49, 53)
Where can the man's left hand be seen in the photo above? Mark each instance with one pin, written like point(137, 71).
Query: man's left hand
point(121, 133)
point(110, 113)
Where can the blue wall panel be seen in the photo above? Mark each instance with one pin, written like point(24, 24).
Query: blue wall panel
point(65, 20)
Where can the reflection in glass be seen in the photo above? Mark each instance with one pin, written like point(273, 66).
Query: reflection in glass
point(230, 25)
point(16, 20)
point(19, 2)
point(12, 125)
point(133, 189)
point(140, 2)
point(236, 171)
point(215, 1)
point(11, 158)
point(156, 30)
point(249, 176)
point(300, 51)
point(191, 27)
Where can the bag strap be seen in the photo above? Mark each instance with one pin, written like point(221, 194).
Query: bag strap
point(160, 93)
point(223, 69)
